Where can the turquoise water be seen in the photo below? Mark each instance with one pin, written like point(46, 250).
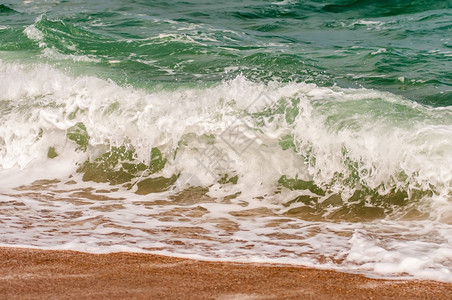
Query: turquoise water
point(399, 46)
point(303, 132)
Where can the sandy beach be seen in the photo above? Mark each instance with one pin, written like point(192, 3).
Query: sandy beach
point(41, 274)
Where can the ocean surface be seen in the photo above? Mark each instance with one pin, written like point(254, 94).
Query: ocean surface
point(316, 133)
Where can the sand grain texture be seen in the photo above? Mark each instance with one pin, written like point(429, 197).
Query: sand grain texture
point(41, 274)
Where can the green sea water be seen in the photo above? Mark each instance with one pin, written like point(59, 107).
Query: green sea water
point(307, 132)
point(399, 46)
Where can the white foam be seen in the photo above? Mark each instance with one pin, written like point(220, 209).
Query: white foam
point(330, 120)
point(55, 54)
point(380, 50)
point(228, 128)
point(376, 249)
point(33, 33)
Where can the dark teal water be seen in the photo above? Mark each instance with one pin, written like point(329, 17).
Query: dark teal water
point(399, 46)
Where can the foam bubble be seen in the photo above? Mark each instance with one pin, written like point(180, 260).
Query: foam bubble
point(33, 33)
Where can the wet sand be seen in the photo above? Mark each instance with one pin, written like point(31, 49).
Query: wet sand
point(41, 274)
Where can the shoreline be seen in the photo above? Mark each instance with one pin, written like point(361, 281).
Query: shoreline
point(65, 274)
